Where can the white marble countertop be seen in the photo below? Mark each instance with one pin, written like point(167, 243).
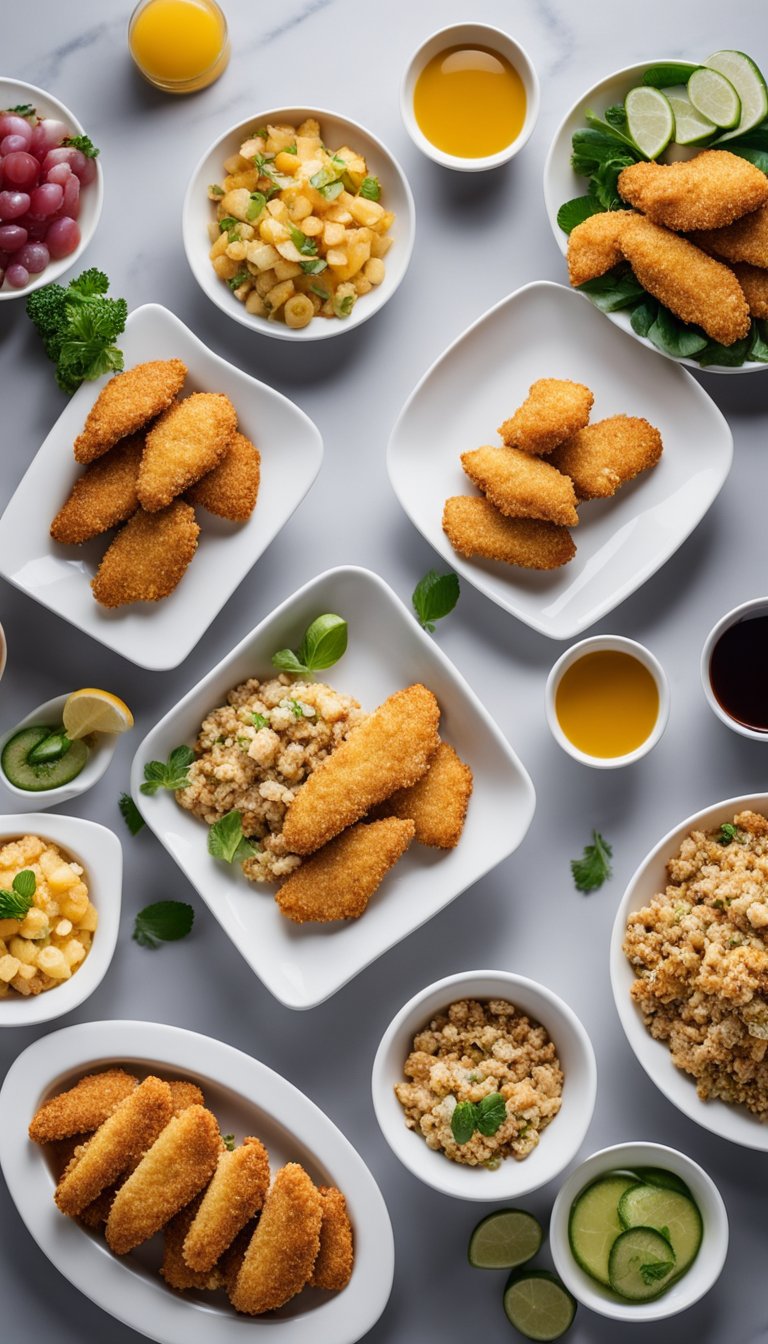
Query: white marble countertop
point(478, 238)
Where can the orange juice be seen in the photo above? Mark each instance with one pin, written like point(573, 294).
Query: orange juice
point(607, 703)
point(179, 45)
point(469, 102)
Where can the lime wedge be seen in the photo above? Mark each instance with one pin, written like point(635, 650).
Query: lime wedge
point(690, 127)
point(505, 1239)
point(749, 85)
point(714, 97)
point(538, 1305)
point(650, 120)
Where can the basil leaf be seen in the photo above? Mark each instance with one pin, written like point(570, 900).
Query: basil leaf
point(612, 291)
point(287, 661)
point(163, 922)
point(324, 643)
point(370, 188)
point(674, 337)
point(434, 597)
point(130, 814)
point(576, 211)
point(463, 1121)
point(226, 840)
point(25, 884)
point(491, 1113)
point(732, 356)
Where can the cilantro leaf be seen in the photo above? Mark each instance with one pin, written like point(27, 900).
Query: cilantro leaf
point(463, 1121)
point(370, 188)
point(434, 597)
point(163, 922)
point(130, 814)
point(84, 144)
point(171, 774)
point(594, 867)
point(23, 110)
point(239, 279)
point(226, 840)
point(491, 1113)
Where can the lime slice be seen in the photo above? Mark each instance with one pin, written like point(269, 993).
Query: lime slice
point(714, 97)
point(650, 120)
point(538, 1305)
point(749, 85)
point(505, 1239)
point(690, 127)
point(94, 711)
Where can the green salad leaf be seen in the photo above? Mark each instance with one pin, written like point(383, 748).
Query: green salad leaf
point(616, 289)
point(576, 211)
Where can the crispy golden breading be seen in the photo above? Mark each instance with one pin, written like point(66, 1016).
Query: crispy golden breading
point(95, 1214)
point(746, 240)
point(184, 1094)
point(126, 403)
point(390, 750)
point(236, 1192)
point(594, 246)
point(709, 191)
point(607, 454)
point(231, 1261)
point(520, 485)
point(437, 803)
point(754, 282)
point(474, 527)
point(82, 1108)
point(338, 881)
point(283, 1249)
point(174, 1268)
point(553, 410)
point(231, 489)
point(148, 557)
point(177, 1166)
point(131, 1128)
point(188, 441)
point(103, 496)
point(336, 1257)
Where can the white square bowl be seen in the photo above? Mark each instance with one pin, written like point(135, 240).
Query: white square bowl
point(159, 635)
point(547, 331)
point(304, 964)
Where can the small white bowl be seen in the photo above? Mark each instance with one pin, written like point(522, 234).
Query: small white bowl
point(101, 754)
point(562, 1138)
point(100, 853)
point(396, 195)
point(12, 93)
point(758, 606)
point(697, 1280)
point(598, 644)
point(479, 35)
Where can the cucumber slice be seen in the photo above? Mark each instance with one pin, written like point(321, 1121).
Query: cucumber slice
point(594, 1223)
point(36, 778)
point(673, 1215)
point(675, 72)
point(538, 1305)
point(749, 85)
point(650, 120)
point(690, 127)
point(715, 97)
point(642, 1264)
point(658, 1176)
point(505, 1239)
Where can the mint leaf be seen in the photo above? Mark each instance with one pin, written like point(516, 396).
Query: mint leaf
point(491, 1113)
point(130, 814)
point(168, 775)
point(25, 884)
point(226, 840)
point(656, 1270)
point(434, 597)
point(463, 1121)
point(15, 903)
point(163, 922)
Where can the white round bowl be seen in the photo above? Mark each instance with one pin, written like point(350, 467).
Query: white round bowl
point(100, 853)
point(562, 1138)
point(337, 131)
point(13, 92)
point(562, 184)
point(734, 1123)
point(98, 761)
point(598, 644)
point(697, 1280)
point(479, 35)
point(758, 606)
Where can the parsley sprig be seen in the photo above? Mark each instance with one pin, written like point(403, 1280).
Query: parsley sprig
point(434, 597)
point(728, 834)
point(486, 1116)
point(594, 866)
point(171, 774)
point(163, 922)
point(227, 842)
point(15, 903)
point(84, 143)
point(324, 643)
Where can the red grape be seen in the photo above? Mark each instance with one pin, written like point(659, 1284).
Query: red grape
point(33, 256)
point(13, 204)
point(47, 199)
point(48, 134)
point(36, 228)
point(11, 144)
point(10, 124)
point(21, 169)
point(62, 237)
point(88, 173)
point(70, 195)
point(12, 237)
point(65, 154)
point(17, 276)
point(59, 173)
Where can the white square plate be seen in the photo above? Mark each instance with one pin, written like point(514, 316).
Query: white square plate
point(548, 331)
point(159, 635)
point(304, 964)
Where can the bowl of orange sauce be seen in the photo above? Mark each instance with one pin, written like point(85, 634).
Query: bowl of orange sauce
point(470, 97)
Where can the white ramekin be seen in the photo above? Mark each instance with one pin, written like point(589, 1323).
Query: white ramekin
point(743, 612)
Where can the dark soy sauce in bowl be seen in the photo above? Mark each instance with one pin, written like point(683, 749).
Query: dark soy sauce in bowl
point(738, 672)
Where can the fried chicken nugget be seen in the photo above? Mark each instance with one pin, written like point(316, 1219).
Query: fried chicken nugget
point(437, 803)
point(148, 557)
point(594, 246)
point(709, 191)
point(180, 1162)
point(338, 881)
point(126, 403)
point(174, 1268)
point(236, 1192)
point(746, 240)
point(131, 1128)
point(283, 1249)
point(82, 1108)
point(553, 410)
point(604, 456)
point(188, 441)
point(754, 282)
point(336, 1257)
point(232, 488)
point(474, 527)
point(520, 485)
point(103, 496)
point(390, 750)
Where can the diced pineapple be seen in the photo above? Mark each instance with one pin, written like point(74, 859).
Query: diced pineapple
point(225, 267)
point(380, 245)
point(333, 234)
point(255, 304)
point(368, 213)
point(287, 163)
point(287, 270)
point(236, 203)
point(272, 231)
point(310, 127)
point(289, 251)
point(266, 281)
point(236, 163)
point(9, 967)
point(251, 147)
point(89, 922)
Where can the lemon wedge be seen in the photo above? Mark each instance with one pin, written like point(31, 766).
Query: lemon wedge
point(94, 711)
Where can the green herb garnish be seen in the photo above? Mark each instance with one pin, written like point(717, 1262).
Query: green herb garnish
point(291, 149)
point(84, 144)
point(434, 597)
point(163, 922)
point(320, 292)
point(728, 834)
point(324, 643)
point(594, 866)
point(23, 110)
point(259, 721)
point(239, 279)
point(231, 227)
point(656, 1270)
point(314, 266)
point(130, 814)
point(226, 840)
point(256, 205)
point(328, 183)
point(15, 903)
point(296, 709)
point(306, 246)
point(614, 290)
point(343, 306)
point(169, 775)
point(486, 1116)
point(215, 190)
point(78, 326)
point(229, 1142)
point(370, 188)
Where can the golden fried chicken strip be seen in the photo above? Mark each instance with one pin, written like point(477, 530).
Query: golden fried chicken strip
point(131, 1128)
point(148, 558)
point(103, 496)
point(236, 1192)
point(594, 246)
point(474, 527)
point(746, 240)
point(126, 403)
point(232, 1260)
point(95, 1214)
point(609, 453)
point(338, 881)
point(180, 1162)
point(232, 488)
point(336, 1257)
point(709, 191)
point(283, 1249)
point(754, 282)
point(174, 1267)
point(184, 1094)
point(188, 441)
point(82, 1108)
point(553, 410)
point(390, 750)
point(437, 803)
point(520, 485)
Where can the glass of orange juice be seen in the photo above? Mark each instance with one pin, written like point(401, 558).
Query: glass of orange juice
point(180, 46)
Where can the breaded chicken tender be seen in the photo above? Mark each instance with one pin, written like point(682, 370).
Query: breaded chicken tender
point(126, 403)
point(95, 1214)
point(236, 1192)
point(174, 1268)
point(148, 557)
point(746, 240)
point(231, 1261)
point(437, 803)
point(103, 496)
point(475, 528)
point(184, 1094)
point(609, 453)
point(231, 489)
point(82, 1108)
point(754, 282)
point(390, 750)
point(336, 1257)
point(188, 441)
point(131, 1128)
point(709, 191)
point(180, 1162)
point(594, 246)
point(521, 486)
point(283, 1249)
point(338, 881)
point(553, 410)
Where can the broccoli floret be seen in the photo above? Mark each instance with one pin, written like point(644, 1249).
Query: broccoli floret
point(78, 326)
point(46, 307)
